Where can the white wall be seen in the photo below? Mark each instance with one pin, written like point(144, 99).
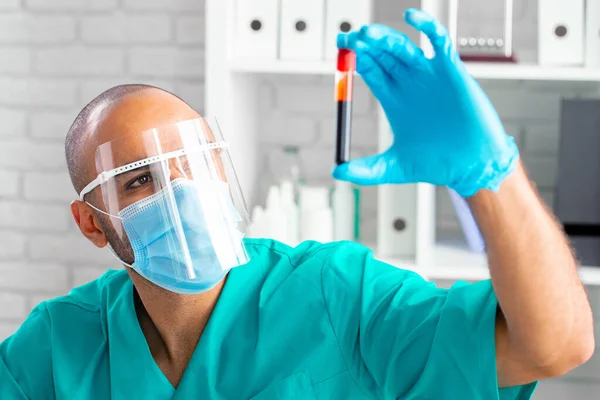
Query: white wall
point(56, 55)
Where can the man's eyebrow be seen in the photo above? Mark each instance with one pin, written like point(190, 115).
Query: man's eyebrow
point(124, 175)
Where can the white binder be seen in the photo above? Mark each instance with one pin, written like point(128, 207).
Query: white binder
point(344, 16)
point(560, 32)
point(256, 29)
point(396, 209)
point(592, 33)
point(302, 29)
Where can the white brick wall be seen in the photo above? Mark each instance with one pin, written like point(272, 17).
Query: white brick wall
point(80, 60)
point(51, 124)
point(64, 5)
point(13, 245)
point(33, 216)
point(13, 122)
point(31, 155)
point(15, 60)
point(187, 30)
point(37, 92)
point(27, 276)
point(10, 5)
point(9, 186)
point(13, 305)
point(160, 5)
point(35, 28)
point(42, 186)
point(57, 55)
point(167, 62)
point(68, 248)
point(127, 29)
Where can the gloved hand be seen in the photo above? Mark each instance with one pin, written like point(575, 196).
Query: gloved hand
point(446, 131)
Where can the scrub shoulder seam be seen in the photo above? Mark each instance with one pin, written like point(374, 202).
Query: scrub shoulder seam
point(82, 306)
point(71, 299)
point(321, 248)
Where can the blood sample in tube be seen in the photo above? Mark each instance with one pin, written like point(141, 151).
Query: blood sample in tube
point(344, 87)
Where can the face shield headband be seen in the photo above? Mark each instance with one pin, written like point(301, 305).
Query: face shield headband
point(183, 215)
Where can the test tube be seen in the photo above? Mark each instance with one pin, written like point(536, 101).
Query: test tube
point(344, 87)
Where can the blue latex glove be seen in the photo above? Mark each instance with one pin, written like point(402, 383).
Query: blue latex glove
point(446, 131)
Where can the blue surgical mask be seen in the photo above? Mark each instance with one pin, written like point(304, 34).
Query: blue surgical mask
point(165, 249)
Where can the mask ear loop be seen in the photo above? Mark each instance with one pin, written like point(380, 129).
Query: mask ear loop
point(114, 254)
point(102, 212)
point(108, 246)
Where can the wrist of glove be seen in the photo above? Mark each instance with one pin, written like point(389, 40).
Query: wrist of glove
point(446, 131)
point(486, 173)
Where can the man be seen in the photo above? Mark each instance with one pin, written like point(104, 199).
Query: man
point(317, 321)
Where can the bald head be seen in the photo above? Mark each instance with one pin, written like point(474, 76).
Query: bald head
point(120, 111)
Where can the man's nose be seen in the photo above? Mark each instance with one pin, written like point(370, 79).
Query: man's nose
point(177, 170)
point(178, 173)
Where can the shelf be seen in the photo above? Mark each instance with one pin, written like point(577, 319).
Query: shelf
point(533, 72)
point(452, 262)
point(484, 71)
point(283, 67)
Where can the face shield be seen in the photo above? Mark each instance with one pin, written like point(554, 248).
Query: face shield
point(171, 195)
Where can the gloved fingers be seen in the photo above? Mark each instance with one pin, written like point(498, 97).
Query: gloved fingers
point(374, 76)
point(347, 40)
point(365, 171)
point(362, 42)
point(432, 28)
point(370, 70)
point(383, 39)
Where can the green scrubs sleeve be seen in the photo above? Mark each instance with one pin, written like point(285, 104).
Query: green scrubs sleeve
point(26, 361)
point(401, 337)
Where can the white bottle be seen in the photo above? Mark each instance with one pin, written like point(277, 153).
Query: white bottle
point(290, 210)
point(277, 223)
point(316, 217)
point(317, 225)
point(343, 211)
point(321, 225)
point(256, 228)
point(313, 198)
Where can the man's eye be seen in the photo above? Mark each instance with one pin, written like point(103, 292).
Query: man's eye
point(139, 182)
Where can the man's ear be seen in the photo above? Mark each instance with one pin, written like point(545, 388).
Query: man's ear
point(88, 223)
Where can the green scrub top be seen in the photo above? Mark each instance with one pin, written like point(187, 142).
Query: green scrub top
point(311, 322)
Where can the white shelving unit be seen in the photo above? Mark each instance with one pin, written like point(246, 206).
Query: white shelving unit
point(454, 262)
point(232, 95)
point(485, 71)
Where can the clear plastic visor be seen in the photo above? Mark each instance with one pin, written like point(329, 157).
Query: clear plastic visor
point(172, 192)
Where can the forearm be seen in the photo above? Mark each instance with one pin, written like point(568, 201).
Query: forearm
point(534, 275)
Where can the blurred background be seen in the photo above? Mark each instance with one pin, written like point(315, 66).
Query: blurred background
point(55, 56)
